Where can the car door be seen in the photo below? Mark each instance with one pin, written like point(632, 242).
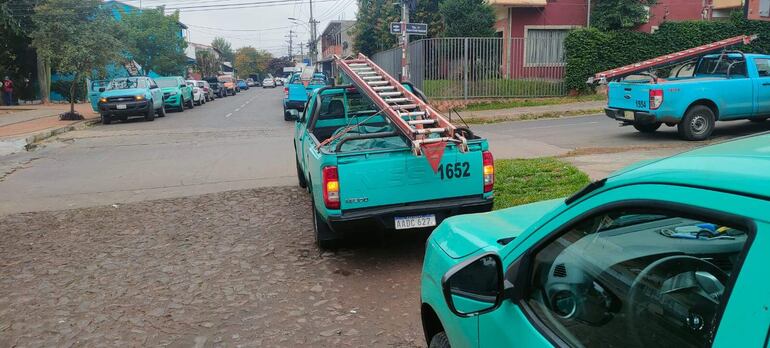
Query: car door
point(616, 272)
point(157, 95)
point(95, 89)
point(302, 135)
point(762, 86)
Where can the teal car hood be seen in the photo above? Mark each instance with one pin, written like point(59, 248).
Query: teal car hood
point(463, 235)
point(123, 92)
point(171, 90)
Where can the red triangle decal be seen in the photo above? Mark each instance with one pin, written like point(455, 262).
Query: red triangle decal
point(433, 153)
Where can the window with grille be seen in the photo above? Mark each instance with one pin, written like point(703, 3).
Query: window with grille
point(545, 47)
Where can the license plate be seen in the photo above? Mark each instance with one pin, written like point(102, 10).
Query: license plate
point(629, 115)
point(407, 222)
point(121, 106)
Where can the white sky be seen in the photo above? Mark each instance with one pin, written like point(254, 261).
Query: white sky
point(263, 26)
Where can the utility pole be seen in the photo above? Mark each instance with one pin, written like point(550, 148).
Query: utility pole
point(404, 41)
point(291, 44)
point(313, 48)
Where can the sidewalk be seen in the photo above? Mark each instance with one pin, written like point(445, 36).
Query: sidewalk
point(23, 125)
point(533, 112)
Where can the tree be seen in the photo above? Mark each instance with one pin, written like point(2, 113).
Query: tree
point(77, 38)
point(17, 57)
point(620, 14)
point(154, 41)
point(471, 18)
point(275, 65)
point(372, 30)
point(225, 47)
point(208, 64)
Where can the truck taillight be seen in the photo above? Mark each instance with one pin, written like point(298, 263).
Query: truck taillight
point(331, 186)
point(286, 92)
point(489, 171)
point(656, 98)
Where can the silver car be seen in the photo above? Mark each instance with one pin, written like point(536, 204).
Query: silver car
point(268, 82)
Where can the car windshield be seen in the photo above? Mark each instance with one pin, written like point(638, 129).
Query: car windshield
point(167, 82)
point(200, 84)
point(126, 83)
point(318, 81)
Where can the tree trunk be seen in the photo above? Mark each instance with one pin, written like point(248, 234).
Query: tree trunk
point(72, 94)
point(44, 79)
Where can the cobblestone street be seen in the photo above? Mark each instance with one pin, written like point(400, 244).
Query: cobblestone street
point(238, 268)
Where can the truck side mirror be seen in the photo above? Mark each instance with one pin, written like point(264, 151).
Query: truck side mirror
point(474, 287)
point(101, 89)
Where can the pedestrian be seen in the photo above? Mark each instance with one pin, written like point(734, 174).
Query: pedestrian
point(7, 91)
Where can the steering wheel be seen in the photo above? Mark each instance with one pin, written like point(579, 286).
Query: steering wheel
point(670, 294)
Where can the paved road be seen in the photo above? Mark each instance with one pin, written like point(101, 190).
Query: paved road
point(242, 142)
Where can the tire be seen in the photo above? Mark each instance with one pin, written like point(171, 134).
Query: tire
point(325, 238)
point(162, 111)
point(150, 115)
point(301, 177)
point(439, 341)
point(106, 119)
point(647, 128)
point(286, 114)
point(697, 124)
point(180, 108)
point(191, 104)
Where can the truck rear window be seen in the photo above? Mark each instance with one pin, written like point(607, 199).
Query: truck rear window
point(721, 66)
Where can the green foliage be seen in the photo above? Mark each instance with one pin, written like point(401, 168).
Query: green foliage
point(467, 18)
point(207, 63)
point(224, 46)
point(76, 37)
point(275, 65)
point(372, 29)
point(522, 181)
point(619, 14)
point(589, 51)
point(63, 87)
point(153, 40)
point(497, 87)
point(249, 61)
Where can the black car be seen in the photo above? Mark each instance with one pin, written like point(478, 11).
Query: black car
point(216, 86)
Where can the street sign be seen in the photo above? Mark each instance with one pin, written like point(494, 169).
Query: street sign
point(395, 27)
point(417, 28)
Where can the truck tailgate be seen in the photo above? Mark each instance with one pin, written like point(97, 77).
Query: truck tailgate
point(629, 96)
point(398, 177)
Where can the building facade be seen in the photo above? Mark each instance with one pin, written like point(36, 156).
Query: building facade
point(336, 39)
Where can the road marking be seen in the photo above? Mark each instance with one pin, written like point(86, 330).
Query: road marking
point(238, 109)
point(244, 104)
point(228, 115)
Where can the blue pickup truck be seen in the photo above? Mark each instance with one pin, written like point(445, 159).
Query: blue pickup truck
point(369, 177)
point(296, 94)
point(717, 87)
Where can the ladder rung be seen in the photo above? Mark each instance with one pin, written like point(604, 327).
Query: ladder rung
point(396, 100)
point(415, 122)
point(429, 130)
point(432, 140)
point(361, 73)
point(405, 106)
point(389, 94)
point(358, 65)
point(377, 83)
point(362, 69)
point(383, 88)
point(372, 77)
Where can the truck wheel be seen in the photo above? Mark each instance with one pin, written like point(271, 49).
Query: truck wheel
point(697, 124)
point(150, 115)
point(647, 128)
point(301, 177)
point(191, 104)
point(324, 236)
point(106, 119)
point(162, 111)
point(181, 106)
point(439, 341)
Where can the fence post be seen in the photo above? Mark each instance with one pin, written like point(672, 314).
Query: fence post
point(465, 69)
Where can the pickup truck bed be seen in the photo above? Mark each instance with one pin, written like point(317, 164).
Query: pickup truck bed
point(379, 182)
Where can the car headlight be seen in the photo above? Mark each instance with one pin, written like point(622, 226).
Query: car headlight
point(103, 100)
point(139, 97)
point(173, 93)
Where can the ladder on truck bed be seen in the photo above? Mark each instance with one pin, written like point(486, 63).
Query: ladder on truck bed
point(425, 128)
point(672, 58)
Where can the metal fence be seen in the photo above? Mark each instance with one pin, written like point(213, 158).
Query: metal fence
point(451, 68)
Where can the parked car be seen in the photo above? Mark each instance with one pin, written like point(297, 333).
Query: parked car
point(199, 97)
point(208, 93)
point(296, 93)
point(718, 87)
point(279, 81)
point(216, 87)
point(362, 180)
point(130, 96)
point(268, 83)
point(243, 85)
point(250, 82)
point(176, 93)
point(229, 83)
point(648, 257)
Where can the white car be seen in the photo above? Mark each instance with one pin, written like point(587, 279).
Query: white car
point(199, 97)
point(268, 82)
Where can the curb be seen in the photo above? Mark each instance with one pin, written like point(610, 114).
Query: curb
point(9, 146)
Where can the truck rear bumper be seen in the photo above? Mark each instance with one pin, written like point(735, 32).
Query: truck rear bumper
point(384, 217)
point(639, 117)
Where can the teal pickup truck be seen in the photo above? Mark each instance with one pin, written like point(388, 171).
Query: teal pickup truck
point(370, 177)
point(296, 93)
point(717, 87)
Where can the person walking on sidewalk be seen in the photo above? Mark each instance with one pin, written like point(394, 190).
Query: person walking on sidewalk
point(7, 91)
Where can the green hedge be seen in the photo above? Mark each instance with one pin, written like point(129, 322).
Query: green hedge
point(589, 51)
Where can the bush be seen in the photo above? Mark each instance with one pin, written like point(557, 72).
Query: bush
point(589, 51)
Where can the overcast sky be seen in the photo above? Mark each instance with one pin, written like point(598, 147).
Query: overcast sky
point(262, 24)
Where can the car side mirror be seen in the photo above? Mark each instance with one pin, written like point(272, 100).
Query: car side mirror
point(475, 286)
point(101, 89)
point(182, 86)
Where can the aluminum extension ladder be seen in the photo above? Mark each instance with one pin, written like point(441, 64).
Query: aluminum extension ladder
point(416, 120)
